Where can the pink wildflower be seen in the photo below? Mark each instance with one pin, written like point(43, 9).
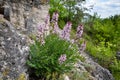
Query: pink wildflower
point(47, 19)
point(46, 25)
point(55, 17)
point(56, 29)
point(41, 29)
point(66, 31)
point(62, 58)
point(79, 31)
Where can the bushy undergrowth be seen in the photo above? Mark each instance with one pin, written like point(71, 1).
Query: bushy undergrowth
point(103, 42)
point(102, 35)
point(69, 10)
point(103, 55)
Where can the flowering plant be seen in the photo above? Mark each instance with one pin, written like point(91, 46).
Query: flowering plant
point(55, 57)
point(55, 53)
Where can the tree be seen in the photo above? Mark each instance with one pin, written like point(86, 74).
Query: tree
point(69, 10)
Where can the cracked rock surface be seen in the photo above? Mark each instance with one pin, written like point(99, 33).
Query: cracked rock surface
point(13, 52)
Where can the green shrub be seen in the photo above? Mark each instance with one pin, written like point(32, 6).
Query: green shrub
point(68, 11)
point(115, 69)
point(104, 41)
point(56, 5)
point(44, 59)
point(104, 55)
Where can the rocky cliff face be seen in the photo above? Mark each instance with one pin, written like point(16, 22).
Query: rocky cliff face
point(21, 18)
point(25, 15)
point(18, 20)
point(96, 71)
point(13, 52)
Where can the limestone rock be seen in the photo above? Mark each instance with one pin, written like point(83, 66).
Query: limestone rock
point(25, 15)
point(96, 71)
point(88, 70)
point(13, 52)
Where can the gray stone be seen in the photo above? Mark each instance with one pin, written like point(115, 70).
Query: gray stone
point(25, 15)
point(118, 55)
point(7, 13)
point(97, 71)
point(13, 52)
point(29, 25)
point(102, 74)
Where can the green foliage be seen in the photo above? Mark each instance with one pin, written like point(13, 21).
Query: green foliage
point(68, 11)
point(104, 55)
point(44, 58)
point(56, 5)
point(104, 41)
point(115, 68)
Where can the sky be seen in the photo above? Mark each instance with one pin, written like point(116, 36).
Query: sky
point(104, 8)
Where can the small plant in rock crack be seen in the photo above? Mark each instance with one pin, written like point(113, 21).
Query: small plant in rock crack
point(53, 58)
point(55, 53)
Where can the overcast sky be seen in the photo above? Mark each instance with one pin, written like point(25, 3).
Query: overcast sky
point(104, 8)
